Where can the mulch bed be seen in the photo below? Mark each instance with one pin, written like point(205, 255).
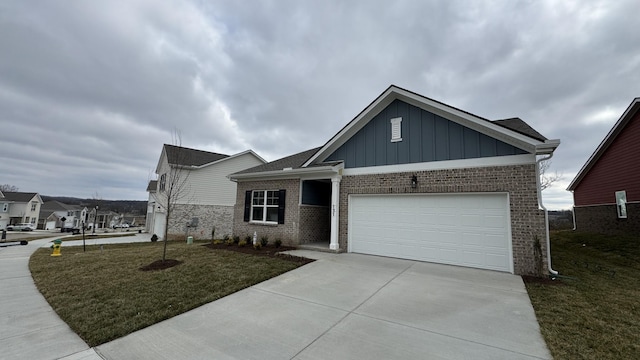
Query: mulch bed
point(266, 251)
point(161, 265)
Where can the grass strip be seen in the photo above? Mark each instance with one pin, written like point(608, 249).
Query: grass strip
point(592, 311)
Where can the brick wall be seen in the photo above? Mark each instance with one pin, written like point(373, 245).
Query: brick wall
point(287, 232)
point(527, 221)
point(208, 216)
point(315, 224)
point(604, 219)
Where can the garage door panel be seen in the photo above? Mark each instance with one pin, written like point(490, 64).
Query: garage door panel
point(459, 229)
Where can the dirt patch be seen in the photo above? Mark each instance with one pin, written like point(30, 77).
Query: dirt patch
point(161, 265)
point(541, 280)
point(266, 251)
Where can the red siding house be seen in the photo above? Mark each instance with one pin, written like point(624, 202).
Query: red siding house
point(606, 191)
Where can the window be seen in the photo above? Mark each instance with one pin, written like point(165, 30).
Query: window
point(163, 181)
point(5, 207)
point(621, 204)
point(396, 129)
point(265, 206)
point(33, 206)
point(33, 220)
point(69, 213)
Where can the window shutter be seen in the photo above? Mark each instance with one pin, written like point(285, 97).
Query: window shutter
point(281, 200)
point(247, 205)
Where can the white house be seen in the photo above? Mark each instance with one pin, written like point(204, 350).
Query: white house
point(19, 207)
point(53, 212)
point(206, 198)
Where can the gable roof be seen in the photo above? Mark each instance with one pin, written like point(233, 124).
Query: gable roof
point(178, 155)
point(153, 185)
point(523, 139)
point(22, 197)
point(294, 161)
point(627, 116)
point(55, 205)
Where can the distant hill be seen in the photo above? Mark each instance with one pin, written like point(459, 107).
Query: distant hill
point(133, 207)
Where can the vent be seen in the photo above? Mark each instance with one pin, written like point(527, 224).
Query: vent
point(396, 129)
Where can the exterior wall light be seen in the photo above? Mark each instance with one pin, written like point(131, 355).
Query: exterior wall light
point(414, 181)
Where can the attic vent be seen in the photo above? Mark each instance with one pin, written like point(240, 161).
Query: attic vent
point(396, 129)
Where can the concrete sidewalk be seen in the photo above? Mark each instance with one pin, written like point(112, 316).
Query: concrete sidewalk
point(29, 328)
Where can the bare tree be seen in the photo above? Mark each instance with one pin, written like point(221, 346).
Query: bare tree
point(546, 179)
point(8, 188)
point(96, 201)
point(173, 186)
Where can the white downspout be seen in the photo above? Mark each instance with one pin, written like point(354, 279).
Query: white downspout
point(546, 214)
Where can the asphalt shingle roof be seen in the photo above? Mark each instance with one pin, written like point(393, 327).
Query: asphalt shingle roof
point(19, 196)
point(177, 155)
point(294, 161)
point(518, 125)
point(153, 185)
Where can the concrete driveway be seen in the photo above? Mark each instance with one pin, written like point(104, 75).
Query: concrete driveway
point(350, 306)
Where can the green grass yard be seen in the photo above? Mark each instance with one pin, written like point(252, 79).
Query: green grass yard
point(103, 294)
point(593, 310)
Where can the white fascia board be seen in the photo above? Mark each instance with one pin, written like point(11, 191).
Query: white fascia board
point(460, 117)
point(163, 155)
point(289, 174)
point(548, 147)
point(444, 165)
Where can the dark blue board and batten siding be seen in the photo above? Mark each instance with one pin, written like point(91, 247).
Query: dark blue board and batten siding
point(425, 137)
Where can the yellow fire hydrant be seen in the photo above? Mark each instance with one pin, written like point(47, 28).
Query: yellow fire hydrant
point(56, 247)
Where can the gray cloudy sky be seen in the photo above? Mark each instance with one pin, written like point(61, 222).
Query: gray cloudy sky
point(90, 90)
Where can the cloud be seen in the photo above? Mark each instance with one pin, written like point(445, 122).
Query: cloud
point(91, 90)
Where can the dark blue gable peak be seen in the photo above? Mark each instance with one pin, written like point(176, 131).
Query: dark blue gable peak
point(425, 137)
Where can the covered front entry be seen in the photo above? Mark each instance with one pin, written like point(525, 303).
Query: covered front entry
point(459, 229)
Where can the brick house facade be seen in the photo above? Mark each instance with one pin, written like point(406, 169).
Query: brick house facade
point(409, 145)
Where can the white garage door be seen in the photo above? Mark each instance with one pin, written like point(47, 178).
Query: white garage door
point(459, 229)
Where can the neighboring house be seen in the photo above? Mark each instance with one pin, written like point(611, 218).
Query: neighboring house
point(606, 191)
point(207, 196)
point(104, 220)
point(52, 213)
point(413, 178)
point(20, 207)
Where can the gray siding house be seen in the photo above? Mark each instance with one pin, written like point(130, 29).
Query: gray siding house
point(409, 177)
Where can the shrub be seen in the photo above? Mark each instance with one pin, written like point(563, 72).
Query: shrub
point(264, 240)
point(225, 237)
point(257, 246)
point(277, 243)
point(229, 242)
point(248, 239)
point(154, 238)
point(242, 243)
point(236, 239)
point(217, 242)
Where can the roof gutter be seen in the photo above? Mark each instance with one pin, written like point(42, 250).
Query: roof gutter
point(548, 147)
point(546, 213)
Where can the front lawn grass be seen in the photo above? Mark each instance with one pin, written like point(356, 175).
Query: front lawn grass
point(103, 295)
point(593, 310)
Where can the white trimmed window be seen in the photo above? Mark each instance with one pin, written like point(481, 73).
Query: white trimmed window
point(33, 206)
point(264, 206)
point(163, 182)
point(5, 207)
point(396, 129)
point(621, 204)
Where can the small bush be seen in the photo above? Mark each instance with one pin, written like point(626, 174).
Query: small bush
point(154, 238)
point(248, 239)
point(225, 237)
point(242, 243)
point(217, 242)
point(257, 246)
point(229, 242)
point(236, 239)
point(277, 243)
point(264, 240)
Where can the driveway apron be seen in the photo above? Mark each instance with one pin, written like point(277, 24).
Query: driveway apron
point(351, 306)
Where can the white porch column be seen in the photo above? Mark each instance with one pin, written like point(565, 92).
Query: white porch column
point(335, 212)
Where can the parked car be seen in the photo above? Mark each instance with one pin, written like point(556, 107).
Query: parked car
point(21, 227)
point(124, 226)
